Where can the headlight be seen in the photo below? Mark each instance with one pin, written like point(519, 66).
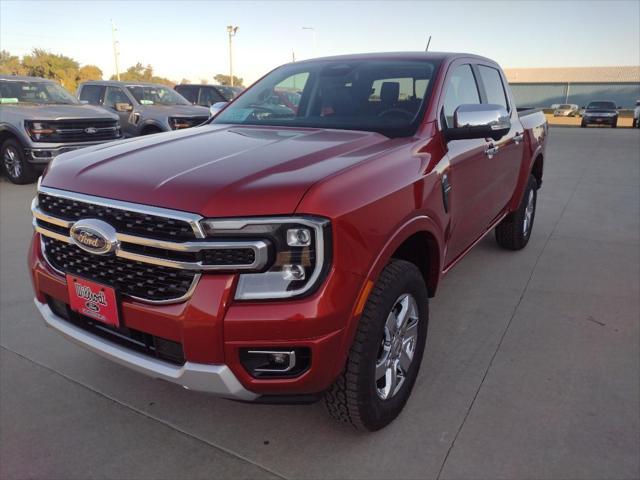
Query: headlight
point(299, 254)
point(177, 123)
point(38, 130)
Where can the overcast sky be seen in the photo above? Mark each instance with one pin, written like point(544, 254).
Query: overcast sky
point(189, 39)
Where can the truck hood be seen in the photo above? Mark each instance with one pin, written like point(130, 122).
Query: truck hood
point(215, 170)
point(174, 110)
point(59, 112)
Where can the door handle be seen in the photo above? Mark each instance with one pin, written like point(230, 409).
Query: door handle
point(491, 150)
point(519, 137)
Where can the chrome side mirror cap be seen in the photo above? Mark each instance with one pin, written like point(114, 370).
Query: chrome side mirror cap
point(479, 121)
point(216, 107)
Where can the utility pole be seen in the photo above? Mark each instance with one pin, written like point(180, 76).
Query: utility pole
point(231, 30)
point(313, 31)
point(116, 52)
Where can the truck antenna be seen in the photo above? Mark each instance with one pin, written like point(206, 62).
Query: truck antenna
point(428, 43)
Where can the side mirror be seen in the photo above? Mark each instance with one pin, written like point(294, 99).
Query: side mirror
point(479, 121)
point(123, 107)
point(216, 107)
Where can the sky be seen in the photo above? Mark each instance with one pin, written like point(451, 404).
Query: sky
point(188, 39)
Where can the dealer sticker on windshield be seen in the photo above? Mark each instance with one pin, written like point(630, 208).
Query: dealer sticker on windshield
point(94, 300)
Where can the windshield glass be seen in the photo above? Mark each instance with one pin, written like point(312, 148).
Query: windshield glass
point(385, 96)
point(601, 105)
point(565, 107)
point(13, 91)
point(156, 95)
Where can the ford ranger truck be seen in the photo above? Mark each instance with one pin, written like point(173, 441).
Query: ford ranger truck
point(39, 120)
point(275, 257)
point(143, 108)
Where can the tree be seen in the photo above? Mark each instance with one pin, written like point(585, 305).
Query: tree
point(223, 79)
point(50, 65)
point(185, 81)
point(10, 64)
point(140, 73)
point(89, 72)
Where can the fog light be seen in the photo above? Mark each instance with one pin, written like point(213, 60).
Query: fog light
point(293, 272)
point(276, 362)
point(298, 237)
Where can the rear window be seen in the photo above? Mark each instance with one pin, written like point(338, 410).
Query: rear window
point(602, 105)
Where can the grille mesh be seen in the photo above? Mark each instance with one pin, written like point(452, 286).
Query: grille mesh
point(74, 130)
point(142, 280)
point(123, 221)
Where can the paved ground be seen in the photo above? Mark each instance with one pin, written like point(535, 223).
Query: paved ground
point(532, 367)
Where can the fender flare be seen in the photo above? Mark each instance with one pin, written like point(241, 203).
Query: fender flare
point(523, 178)
point(151, 123)
point(419, 224)
point(13, 131)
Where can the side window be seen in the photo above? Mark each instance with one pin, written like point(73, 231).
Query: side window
point(115, 95)
point(93, 94)
point(493, 86)
point(461, 90)
point(189, 92)
point(209, 96)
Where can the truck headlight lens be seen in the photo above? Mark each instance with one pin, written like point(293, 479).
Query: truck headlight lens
point(38, 130)
point(299, 254)
point(177, 123)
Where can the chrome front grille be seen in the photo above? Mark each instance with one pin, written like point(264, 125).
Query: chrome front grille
point(135, 279)
point(158, 255)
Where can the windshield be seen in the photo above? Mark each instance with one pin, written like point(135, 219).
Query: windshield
point(12, 91)
point(385, 96)
point(564, 107)
point(156, 95)
point(601, 105)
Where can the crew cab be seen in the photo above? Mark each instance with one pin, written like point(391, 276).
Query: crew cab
point(39, 120)
point(600, 113)
point(144, 108)
point(274, 256)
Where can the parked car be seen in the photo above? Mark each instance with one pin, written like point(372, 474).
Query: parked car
point(600, 113)
point(207, 95)
point(39, 120)
point(143, 108)
point(275, 258)
point(566, 110)
point(636, 115)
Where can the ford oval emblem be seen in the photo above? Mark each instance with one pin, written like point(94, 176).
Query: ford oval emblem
point(90, 130)
point(94, 236)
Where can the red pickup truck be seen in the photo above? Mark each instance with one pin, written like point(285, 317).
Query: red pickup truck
point(274, 255)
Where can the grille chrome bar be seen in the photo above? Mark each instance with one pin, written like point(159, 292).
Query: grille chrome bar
point(259, 248)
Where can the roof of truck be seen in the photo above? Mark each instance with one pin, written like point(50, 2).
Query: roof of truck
point(437, 56)
point(116, 83)
point(23, 78)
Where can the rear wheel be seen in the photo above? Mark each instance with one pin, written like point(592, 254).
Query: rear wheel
point(514, 231)
point(614, 124)
point(583, 124)
point(15, 165)
point(385, 356)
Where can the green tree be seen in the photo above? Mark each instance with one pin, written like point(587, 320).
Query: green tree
point(10, 64)
point(223, 79)
point(50, 65)
point(140, 73)
point(89, 72)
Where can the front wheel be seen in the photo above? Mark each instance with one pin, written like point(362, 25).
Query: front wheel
point(387, 351)
point(14, 163)
point(514, 231)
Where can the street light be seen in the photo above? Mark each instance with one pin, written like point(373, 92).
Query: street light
point(231, 30)
point(313, 31)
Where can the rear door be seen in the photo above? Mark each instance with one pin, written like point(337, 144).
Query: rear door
point(510, 149)
point(471, 173)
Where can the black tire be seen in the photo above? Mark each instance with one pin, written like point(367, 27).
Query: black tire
point(512, 233)
point(15, 165)
point(151, 131)
point(614, 124)
point(354, 398)
point(583, 124)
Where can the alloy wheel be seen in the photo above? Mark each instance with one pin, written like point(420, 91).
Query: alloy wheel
point(12, 162)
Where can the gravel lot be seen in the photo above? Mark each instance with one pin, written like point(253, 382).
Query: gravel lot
point(532, 368)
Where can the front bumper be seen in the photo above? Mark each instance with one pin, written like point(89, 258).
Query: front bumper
point(594, 120)
point(216, 379)
point(213, 328)
point(43, 154)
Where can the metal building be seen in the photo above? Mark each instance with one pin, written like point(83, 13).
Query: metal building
point(543, 87)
